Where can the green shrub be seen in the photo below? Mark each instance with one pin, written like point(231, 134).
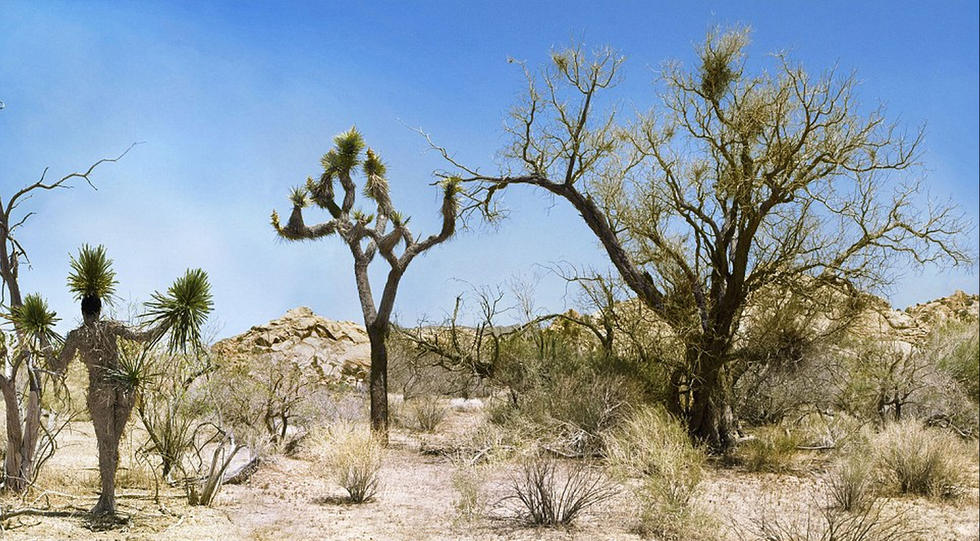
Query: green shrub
point(772, 450)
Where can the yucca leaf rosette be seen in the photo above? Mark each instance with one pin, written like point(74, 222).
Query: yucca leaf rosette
point(35, 320)
point(182, 310)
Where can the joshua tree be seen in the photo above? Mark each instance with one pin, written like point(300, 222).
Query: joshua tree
point(24, 417)
point(738, 182)
point(383, 232)
point(113, 377)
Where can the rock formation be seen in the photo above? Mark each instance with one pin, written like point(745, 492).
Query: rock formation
point(338, 351)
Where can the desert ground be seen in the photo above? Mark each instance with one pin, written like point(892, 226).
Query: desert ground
point(289, 499)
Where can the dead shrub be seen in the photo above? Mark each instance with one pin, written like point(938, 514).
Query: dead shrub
point(554, 494)
point(829, 524)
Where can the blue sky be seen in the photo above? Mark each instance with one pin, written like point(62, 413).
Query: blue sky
point(237, 101)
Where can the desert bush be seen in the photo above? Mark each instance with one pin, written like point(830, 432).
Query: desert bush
point(962, 362)
point(851, 483)
point(427, 413)
point(914, 459)
point(771, 450)
point(838, 431)
point(353, 455)
point(653, 445)
point(655, 448)
point(584, 407)
point(553, 493)
point(276, 398)
point(470, 501)
point(827, 524)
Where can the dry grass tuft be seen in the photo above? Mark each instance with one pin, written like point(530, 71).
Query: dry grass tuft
point(914, 459)
point(353, 455)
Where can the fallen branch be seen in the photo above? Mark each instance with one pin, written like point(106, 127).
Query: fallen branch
point(243, 472)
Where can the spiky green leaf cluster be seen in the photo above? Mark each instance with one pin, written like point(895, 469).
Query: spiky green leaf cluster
point(373, 166)
point(321, 191)
point(35, 319)
point(299, 196)
point(91, 274)
point(361, 217)
point(134, 370)
point(346, 152)
point(399, 220)
point(452, 186)
point(183, 309)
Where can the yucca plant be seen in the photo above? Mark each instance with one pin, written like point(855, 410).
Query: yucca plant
point(92, 279)
point(35, 320)
point(183, 309)
point(133, 371)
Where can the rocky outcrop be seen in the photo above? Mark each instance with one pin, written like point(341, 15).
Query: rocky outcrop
point(337, 351)
point(958, 307)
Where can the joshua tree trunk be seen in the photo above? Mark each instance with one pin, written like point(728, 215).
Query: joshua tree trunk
point(379, 380)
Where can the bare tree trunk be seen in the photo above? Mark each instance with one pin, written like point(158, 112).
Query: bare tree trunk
point(22, 434)
point(379, 382)
point(707, 406)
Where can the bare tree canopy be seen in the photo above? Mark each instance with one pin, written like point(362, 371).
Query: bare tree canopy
point(735, 182)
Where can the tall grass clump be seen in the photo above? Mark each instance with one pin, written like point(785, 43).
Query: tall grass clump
point(772, 450)
point(353, 456)
point(914, 459)
point(470, 501)
point(554, 494)
point(654, 448)
point(851, 483)
point(427, 413)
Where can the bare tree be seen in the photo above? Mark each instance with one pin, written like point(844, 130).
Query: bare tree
point(736, 182)
point(24, 418)
point(382, 232)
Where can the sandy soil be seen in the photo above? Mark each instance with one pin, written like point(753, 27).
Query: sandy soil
point(289, 500)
